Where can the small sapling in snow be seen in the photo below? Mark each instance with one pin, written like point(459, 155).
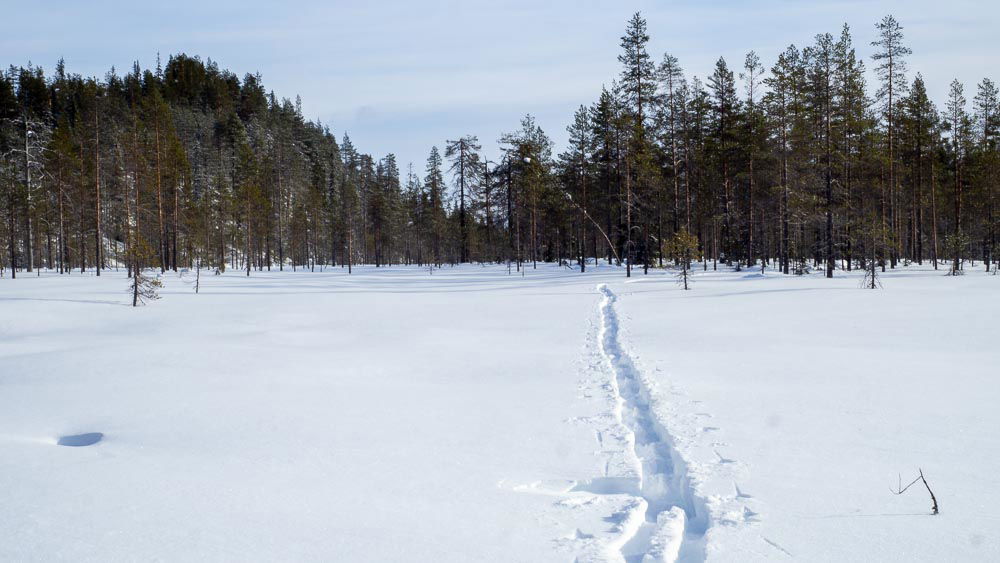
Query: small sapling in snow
point(682, 248)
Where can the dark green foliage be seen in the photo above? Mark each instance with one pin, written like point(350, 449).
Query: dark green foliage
point(793, 164)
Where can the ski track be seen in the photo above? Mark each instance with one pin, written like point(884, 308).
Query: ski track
point(674, 519)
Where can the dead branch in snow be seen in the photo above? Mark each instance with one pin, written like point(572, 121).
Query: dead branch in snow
point(901, 489)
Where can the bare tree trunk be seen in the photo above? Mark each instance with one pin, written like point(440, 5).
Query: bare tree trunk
point(628, 221)
point(173, 234)
point(159, 197)
point(751, 258)
point(29, 242)
point(62, 232)
point(829, 193)
point(784, 200)
point(98, 238)
point(463, 251)
point(248, 235)
point(892, 153)
point(934, 227)
point(919, 204)
point(958, 213)
point(489, 218)
point(534, 228)
point(281, 198)
point(136, 248)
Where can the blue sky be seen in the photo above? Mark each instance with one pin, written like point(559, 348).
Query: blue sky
point(401, 76)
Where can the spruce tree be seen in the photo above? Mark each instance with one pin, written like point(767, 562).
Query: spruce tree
point(435, 215)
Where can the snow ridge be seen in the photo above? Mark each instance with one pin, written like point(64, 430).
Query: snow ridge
point(676, 519)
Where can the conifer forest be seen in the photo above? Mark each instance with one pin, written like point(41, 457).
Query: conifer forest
point(792, 158)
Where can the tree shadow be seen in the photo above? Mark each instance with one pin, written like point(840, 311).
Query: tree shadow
point(86, 301)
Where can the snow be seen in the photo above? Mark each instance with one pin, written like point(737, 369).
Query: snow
point(394, 415)
point(798, 401)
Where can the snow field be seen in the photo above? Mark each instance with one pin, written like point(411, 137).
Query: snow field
point(397, 415)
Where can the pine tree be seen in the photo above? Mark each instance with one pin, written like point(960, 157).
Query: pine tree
point(638, 88)
point(349, 199)
point(782, 101)
point(603, 118)
point(725, 107)
point(637, 75)
point(576, 167)
point(957, 123)
point(987, 110)
point(891, 70)
point(850, 107)
point(464, 156)
point(34, 132)
point(754, 143)
point(671, 78)
point(919, 132)
point(821, 100)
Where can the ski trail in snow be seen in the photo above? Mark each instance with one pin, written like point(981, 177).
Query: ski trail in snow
point(675, 519)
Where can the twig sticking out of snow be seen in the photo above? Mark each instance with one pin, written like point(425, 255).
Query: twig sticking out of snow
point(901, 489)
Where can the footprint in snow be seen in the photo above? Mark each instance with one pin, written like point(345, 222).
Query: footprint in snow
point(739, 492)
point(577, 534)
point(723, 459)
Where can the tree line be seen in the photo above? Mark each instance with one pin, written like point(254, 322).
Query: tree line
point(799, 165)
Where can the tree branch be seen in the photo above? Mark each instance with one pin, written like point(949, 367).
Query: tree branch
point(901, 489)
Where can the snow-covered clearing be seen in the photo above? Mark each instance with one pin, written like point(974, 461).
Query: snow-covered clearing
point(395, 415)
